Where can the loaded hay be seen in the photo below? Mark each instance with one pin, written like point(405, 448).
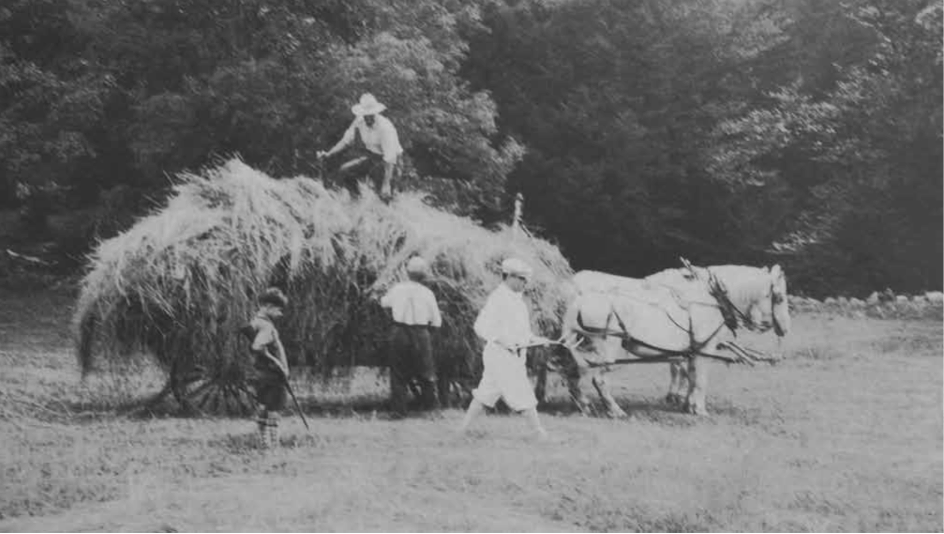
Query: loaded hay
point(181, 282)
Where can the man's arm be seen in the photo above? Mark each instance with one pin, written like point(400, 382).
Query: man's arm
point(260, 345)
point(262, 339)
point(281, 355)
point(492, 324)
point(434, 314)
point(390, 147)
point(388, 175)
point(389, 143)
point(345, 140)
point(389, 297)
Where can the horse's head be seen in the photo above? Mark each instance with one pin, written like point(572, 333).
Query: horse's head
point(779, 304)
point(758, 296)
point(769, 307)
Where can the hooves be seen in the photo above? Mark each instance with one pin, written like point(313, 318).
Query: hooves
point(674, 399)
point(616, 412)
point(587, 410)
point(694, 409)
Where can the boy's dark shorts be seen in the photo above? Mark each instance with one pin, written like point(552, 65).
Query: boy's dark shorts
point(269, 386)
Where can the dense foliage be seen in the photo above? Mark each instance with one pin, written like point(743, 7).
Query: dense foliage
point(805, 132)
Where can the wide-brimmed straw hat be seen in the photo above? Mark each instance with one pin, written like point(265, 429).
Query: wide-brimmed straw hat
point(516, 267)
point(367, 106)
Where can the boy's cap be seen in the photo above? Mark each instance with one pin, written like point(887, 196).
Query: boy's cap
point(274, 297)
point(516, 267)
point(417, 265)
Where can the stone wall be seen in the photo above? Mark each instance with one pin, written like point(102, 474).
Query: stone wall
point(882, 305)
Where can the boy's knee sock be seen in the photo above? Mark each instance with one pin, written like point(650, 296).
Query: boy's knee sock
point(273, 429)
point(430, 394)
point(263, 423)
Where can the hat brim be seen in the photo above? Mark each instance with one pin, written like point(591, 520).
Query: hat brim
point(360, 110)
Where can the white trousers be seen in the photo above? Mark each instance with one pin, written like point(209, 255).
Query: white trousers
point(505, 376)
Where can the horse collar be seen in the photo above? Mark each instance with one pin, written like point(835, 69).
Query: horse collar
point(731, 314)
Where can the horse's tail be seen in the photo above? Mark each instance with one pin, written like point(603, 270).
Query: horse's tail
point(580, 324)
point(581, 328)
point(573, 321)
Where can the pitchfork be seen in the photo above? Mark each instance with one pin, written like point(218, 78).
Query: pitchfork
point(569, 342)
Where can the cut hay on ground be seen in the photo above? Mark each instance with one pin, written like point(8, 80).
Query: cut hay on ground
point(180, 283)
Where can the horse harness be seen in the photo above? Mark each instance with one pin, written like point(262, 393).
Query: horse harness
point(732, 318)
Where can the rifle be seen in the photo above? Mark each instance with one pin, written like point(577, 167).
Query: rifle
point(248, 332)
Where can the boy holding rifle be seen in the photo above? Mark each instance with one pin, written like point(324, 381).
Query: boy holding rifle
point(269, 375)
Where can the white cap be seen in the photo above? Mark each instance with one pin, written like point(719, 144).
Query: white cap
point(514, 266)
point(417, 265)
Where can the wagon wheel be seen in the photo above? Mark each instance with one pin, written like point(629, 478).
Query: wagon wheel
point(201, 391)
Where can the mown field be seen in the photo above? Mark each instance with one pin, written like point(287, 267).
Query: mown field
point(846, 434)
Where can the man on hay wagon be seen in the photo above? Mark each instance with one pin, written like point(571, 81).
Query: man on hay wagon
point(380, 153)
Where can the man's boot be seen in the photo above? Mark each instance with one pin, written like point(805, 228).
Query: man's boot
point(429, 394)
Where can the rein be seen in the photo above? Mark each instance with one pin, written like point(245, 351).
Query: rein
point(733, 316)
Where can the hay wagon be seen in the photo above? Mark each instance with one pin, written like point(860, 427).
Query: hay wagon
point(180, 283)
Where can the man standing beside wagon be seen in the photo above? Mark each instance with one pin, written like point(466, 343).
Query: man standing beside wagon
point(415, 312)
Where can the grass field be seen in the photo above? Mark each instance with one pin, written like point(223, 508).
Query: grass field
point(847, 434)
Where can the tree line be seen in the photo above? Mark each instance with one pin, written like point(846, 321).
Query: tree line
point(801, 132)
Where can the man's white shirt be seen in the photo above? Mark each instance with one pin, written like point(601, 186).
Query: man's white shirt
point(504, 318)
point(412, 303)
point(381, 139)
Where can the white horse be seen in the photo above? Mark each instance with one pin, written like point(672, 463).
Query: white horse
point(676, 316)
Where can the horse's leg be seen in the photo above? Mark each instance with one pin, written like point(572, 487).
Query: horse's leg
point(599, 382)
point(676, 383)
point(574, 367)
point(573, 376)
point(573, 386)
point(697, 385)
point(540, 378)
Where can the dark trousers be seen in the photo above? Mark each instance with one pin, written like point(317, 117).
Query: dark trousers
point(411, 358)
point(366, 163)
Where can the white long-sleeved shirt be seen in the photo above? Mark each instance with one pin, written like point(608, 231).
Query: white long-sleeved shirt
point(412, 303)
point(504, 319)
point(380, 139)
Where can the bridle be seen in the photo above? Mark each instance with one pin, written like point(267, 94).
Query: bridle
point(776, 299)
point(733, 316)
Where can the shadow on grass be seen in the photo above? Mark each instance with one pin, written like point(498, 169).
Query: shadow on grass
point(168, 407)
point(660, 412)
point(653, 410)
point(748, 416)
point(646, 409)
